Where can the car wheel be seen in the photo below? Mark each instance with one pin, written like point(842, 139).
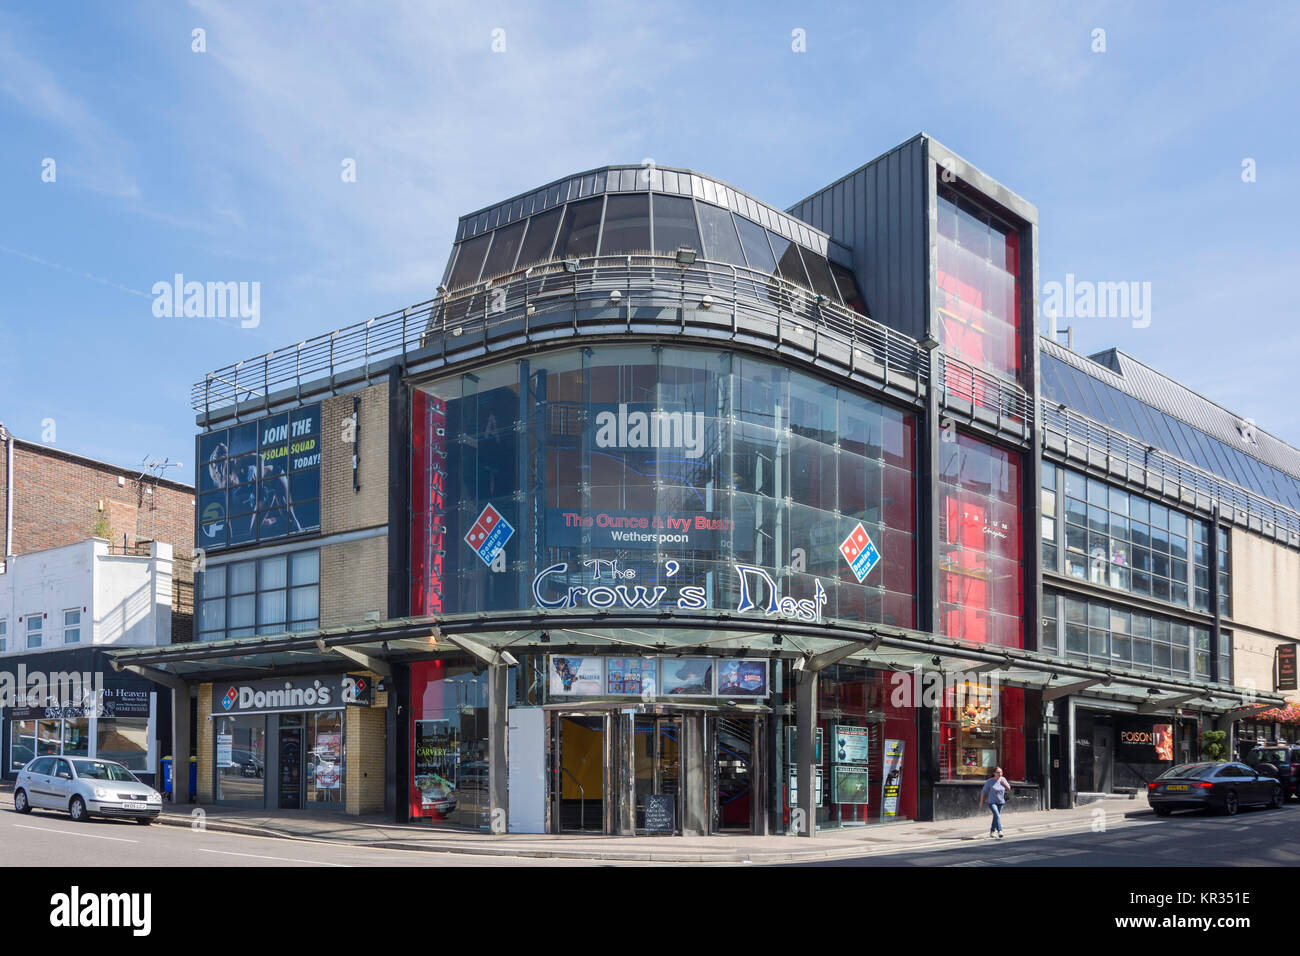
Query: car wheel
point(1279, 797)
point(1230, 804)
point(144, 821)
point(1162, 811)
point(77, 810)
point(20, 802)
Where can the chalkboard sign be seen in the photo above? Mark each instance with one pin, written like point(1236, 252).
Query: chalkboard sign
point(660, 813)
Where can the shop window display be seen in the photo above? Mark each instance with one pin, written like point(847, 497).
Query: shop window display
point(980, 728)
point(449, 745)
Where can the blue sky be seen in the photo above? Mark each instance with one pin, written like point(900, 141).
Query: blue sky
point(225, 165)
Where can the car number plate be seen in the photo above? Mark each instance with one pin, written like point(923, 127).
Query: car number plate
point(1176, 786)
point(136, 806)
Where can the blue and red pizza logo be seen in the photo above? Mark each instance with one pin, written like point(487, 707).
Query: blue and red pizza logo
point(860, 552)
point(489, 534)
point(229, 700)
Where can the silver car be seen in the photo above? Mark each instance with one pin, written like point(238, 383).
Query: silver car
point(85, 787)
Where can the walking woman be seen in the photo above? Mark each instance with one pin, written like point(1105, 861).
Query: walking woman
point(995, 791)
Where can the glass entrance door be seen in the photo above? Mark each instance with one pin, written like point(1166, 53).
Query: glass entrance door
point(657, 769)
point(735, 747)
point(580, 772)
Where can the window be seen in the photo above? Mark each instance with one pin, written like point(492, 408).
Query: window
point(470, 261)
point(505, 246)
point(34, 635)
point(720, 240)
point(627, 225)
point(540, 238)
point(269, 595)
point(1104, 633)
point(1119, 540)
point(674, 224)
point(22, 743)
point(72, 626)
point(124, 739)
point(977, 287)
point(4, 635)
point(580, 229)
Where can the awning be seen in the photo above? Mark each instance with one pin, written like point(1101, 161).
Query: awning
point(721, 635)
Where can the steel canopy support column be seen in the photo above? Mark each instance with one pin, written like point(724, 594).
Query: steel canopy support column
point(805, 683)
point(181, 695)
point(498, 758)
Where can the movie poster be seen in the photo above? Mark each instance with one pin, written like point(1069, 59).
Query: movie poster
point(577, 676)
point(632, 676)
point(686, 676)
point(891, 787)
point(743, 678)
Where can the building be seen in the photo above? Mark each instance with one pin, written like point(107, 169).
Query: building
point(1171, 543)
point(50, 498)
point(674, 511)
point(61, 609)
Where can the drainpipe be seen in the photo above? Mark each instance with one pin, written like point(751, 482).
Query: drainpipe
point(7, 437)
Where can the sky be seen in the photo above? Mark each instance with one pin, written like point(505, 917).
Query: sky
point(1163, 149)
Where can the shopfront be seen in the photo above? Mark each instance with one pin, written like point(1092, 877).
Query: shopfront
point(72, 703)
point(1121, 750)
point(280, 744)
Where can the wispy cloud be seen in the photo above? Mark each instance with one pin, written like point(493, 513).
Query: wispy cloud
point(99, 158)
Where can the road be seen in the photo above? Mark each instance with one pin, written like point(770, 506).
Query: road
point(1252, 838)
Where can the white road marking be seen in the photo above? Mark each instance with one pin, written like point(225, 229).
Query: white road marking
point(258, 856)
point(88, 836)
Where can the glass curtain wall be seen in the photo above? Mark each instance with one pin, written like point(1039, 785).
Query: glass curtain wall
point(643, 477)
point(980, 572)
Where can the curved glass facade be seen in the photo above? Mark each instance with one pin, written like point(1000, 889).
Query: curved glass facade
point(624, 478)
point(640, 223)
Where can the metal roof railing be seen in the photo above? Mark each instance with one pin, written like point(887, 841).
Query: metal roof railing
point(1072, 425)
point(643, 293)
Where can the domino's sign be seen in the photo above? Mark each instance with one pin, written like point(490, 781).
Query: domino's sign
point(860, 552)
point(489, 534)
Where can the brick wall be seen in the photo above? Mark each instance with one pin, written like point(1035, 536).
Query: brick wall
point(366, 733)
point(342, 508)
point(61, 499)
point(206, 742)
point(354, 581)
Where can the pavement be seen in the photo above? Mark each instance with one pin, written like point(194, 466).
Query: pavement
point(902, 836)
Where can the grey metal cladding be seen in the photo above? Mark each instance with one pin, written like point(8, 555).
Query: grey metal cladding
point(879, 211)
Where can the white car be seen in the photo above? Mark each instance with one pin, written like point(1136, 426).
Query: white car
point(84, 787)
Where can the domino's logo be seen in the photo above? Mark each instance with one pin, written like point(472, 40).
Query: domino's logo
point(860, 552)
point(229, 700)
point(489, 534)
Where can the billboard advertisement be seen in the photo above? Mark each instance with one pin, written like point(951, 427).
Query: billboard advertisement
point(1144, 741)
point(260, 481)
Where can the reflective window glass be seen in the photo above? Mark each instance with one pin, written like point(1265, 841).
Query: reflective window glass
point(580, 229)
point(819, 274)
point(674, 224)
point(848, 288)
point(627, 225)
point(720, 239)
point(505, 247)
point(787, 259)
point(469, 261)
point(754, 240)
point(539, 238)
